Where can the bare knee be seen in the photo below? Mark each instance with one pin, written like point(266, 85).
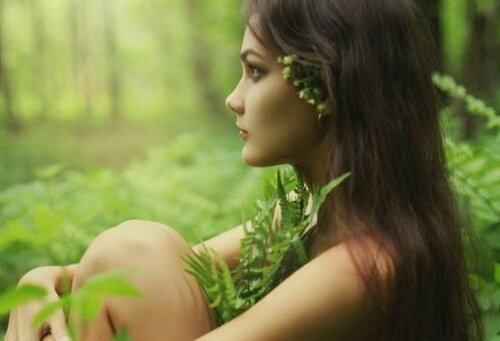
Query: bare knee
point(153, 252)
point(133, 242)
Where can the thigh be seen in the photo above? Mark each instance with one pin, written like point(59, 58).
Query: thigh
point(173, 306)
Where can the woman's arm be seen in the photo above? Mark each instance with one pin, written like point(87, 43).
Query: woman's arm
point(56, 280)
point(323, 300)
point(226, 244)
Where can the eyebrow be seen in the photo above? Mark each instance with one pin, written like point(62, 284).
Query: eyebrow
point(245, 53)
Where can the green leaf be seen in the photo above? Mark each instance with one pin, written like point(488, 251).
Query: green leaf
point(475, 175)
point(473, 105)
point(48, 224)
point(15, 231)
point(49, 172)
point(324, 191)
point(16, 297)
point(49, 309)
point(300, 251)
point(87, 305)
point(122, 336)
point(281, 189)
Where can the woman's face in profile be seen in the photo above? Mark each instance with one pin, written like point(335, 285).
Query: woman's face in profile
point(277, 127)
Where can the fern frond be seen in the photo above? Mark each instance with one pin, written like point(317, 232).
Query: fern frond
point(267, 255)
point(473, 105)
point(476, 177)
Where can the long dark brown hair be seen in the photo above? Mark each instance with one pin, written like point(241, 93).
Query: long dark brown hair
point(376, 62)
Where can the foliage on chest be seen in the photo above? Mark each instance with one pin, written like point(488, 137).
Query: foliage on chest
point(268, 255)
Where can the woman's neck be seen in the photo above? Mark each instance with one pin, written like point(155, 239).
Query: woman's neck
point(313, 168)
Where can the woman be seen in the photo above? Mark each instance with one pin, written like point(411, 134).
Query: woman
point(386, 257)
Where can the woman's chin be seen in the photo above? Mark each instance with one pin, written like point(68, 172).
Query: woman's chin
point(252, 162)
point(257, 160)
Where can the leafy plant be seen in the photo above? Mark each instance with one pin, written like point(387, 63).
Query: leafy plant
point(16, 297)
point(473, 105)
point(475, 173)
point(268, 254)
point(53, 219)
point(85, 303)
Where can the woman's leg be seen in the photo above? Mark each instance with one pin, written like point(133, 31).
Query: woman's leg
point(173, 306)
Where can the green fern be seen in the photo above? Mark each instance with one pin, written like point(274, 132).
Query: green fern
point(476, 177)
point(473, 105)
point(475, 172)
point(268, 255)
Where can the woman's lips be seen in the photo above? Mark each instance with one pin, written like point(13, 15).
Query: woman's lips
point(243, 134)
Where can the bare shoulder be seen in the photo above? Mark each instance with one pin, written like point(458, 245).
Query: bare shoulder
point(325, 299)
point(375, 256)
point(342, 266)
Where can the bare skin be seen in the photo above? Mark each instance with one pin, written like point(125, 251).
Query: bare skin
point(324, 300)
point(280, 127)
point(319, 303)
point(154, 251)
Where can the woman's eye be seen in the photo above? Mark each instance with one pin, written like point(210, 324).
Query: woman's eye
point(254, 73)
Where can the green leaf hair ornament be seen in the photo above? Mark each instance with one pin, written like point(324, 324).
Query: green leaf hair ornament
point(307, 79)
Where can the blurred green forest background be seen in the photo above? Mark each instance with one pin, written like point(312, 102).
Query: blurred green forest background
point(114, 109)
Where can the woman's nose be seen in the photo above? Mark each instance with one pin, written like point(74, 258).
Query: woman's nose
point(235, 103)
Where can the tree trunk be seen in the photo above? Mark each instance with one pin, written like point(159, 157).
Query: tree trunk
point(85, 59)
point(114, 79)
point(481, 64)
point(201, 60)
point(39, 57)
point(74, 33)
point(80, 54)
point(11, 122)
